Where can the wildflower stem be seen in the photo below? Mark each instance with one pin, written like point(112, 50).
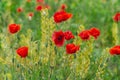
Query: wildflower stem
point(13, 59)
point(117, 66)
point(13, 67)
point(51, 71)
point(74, 68)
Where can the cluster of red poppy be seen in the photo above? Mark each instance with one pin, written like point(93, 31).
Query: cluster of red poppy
point(59, 38)
point(14, 28)
point(85, 35)
point(38, 8)
point(40, 5)
point(115, 50)
point(22, 51)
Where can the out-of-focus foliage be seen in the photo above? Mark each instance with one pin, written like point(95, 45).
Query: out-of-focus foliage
point(48, 62)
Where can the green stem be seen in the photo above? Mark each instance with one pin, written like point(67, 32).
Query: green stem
point(74, 69)
point(117, 65)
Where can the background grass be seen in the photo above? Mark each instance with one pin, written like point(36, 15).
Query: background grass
point(94, 13)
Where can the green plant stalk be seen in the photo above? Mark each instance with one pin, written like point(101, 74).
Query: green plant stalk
point(74, 69)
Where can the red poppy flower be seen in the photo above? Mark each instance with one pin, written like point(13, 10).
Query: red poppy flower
point(39, 1)
point(58, 38)
point(30, 14)
point(19, 10)
point(115, 50)
point(66, 16)
point(71, 48)
point(116, 17)
point(84, 35)
point(63, 6)
point(39, 8)
point(68, 35)
point(58, 17)
point(13, 28)
point(22, 51)
point(94, 32)
point(61, 16)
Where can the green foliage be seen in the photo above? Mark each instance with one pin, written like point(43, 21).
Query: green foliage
point(48, 62)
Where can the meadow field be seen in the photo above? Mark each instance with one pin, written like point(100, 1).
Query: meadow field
point(59, 39)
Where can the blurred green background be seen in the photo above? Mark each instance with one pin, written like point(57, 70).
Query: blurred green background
point(90, 13)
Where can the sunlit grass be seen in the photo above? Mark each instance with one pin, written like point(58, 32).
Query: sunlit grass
point(46, 61)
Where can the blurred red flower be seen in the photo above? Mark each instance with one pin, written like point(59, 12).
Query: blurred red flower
point(58, 38)
point(115, 50)
point(13, 28)
point(61, 16)
point(71, 48)
point(116, 17)
point(84, 35)
point(47, 6)
point(19, 10)
point(94, 32)
point(63, 6)
point(39, 1)
point(31, 14)
point(38, 8)
point(68, 35)
point(22, 51)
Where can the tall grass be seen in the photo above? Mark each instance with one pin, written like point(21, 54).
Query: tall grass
point(45, 61)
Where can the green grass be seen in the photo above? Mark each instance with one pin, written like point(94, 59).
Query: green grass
point(94, 13)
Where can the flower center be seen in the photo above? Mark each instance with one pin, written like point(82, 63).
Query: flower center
point(60, 38)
